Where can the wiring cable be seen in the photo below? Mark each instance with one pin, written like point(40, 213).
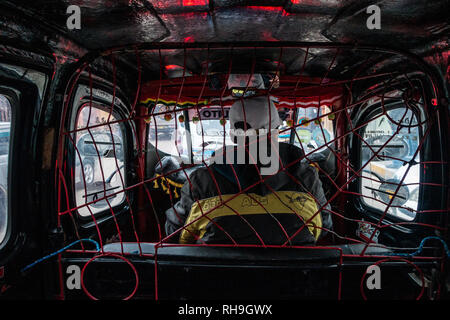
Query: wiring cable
point(31, 265)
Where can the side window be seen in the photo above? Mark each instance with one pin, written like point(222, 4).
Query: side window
point(383, 173)
point(99, 160)
point(5, 126)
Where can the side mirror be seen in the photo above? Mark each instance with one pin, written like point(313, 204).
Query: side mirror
point(387, 189)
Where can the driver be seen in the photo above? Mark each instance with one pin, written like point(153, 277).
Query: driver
point(233, 203)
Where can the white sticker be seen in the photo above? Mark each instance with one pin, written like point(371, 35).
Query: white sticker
point(214, 113)
point(365, 231)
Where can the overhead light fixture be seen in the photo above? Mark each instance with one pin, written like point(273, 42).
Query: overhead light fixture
point(194, 3)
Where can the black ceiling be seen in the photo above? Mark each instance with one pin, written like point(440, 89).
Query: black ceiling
point(107, 23)
point(420, 26)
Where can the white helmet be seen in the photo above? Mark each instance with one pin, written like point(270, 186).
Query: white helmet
point(257, 112)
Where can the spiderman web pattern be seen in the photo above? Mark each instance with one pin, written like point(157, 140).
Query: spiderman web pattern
point(408, 129)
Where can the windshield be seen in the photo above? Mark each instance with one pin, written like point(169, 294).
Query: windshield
point(209, 131)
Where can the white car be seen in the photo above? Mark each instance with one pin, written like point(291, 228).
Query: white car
point(92, 170)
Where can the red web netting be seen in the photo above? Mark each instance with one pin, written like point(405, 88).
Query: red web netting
point(376, 158)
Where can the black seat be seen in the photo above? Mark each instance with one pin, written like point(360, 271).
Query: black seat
point(256, 254)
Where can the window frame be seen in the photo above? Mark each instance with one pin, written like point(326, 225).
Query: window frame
point(11, 223)
point(120, 113)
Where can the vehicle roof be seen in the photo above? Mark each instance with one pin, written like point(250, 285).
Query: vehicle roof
point(416, 25)
point(107, 23)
